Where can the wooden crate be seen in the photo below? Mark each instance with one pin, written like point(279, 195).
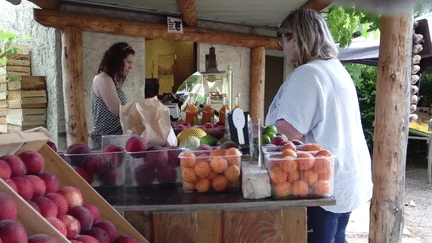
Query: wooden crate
point(28, 83)
point(28, 103)
point(68, 177)
point(22, 52)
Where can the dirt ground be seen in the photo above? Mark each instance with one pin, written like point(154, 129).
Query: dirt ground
point(418, 207)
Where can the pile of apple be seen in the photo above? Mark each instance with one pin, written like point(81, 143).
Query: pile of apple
point(63, 207)
point(105, 166)
point(216, 130)
point(152, 163)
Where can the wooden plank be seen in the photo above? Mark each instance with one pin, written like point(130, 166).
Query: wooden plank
point(391, 128)
point(3, 103)
point(175, 227)
point(3, 111)
point(20, 49)
point(28, 83)
point(3, 120)
point(32, 221)
point(68, 176)
point(3, 87)
point(20, 94)
point(3, 128)
point(253, 226)
point(294, 225)
point(257, 84)
point(23, 63)
point(35, 120)
point(17, 104)
point(18, 69)
point(47, 4)
point(25, 112)
point(61, 20)
point(141, 221)
point(210, 228)
point(3, 95)
point(17, 128)
point(18, 74)
point(188, 12)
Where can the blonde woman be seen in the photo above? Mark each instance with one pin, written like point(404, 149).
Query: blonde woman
point(318, 104)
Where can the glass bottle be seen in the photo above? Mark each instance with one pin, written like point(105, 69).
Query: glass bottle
point(192, 112)
point(237, 101)
point(208, 113)
point(223, 110)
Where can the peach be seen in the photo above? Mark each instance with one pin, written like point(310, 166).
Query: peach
point(113, 155)
point(233, 156)
point(33, 161)
point(309, 176)
point(188, 159)
point(12, 231)
point(59, 201)
point(38, 184)
point(217, 152)
point(47, 208)
point(83, 215)
point(86, 239)
point(305, 160)
point(232, 173)
point(125, 239)
point(100, 234)
point(42, 238)
point(219, 164)
point(72, 195)
point(12, 184)
point(5, 170)
point(78, 154)
point(95, 212)
point(96, 164)
point(293, 176)
point(283, 189)
point(24, 187)
point(289, 164)
point(188, 175)
point(321, 187)
point(85, 175)
point(8, 207)
point(52, 146)
point(73, 226)
point(109, 227)
point(312, 147)
point(219, 183)
point(145, 175)
point(289, 145)
point(288, 153)
point(34, 205)
point(51, 181)
point(136, 144)
point(202, 185)
point(166, 175)
point(59, 225)
point(278, 175)
point(16, 165)
point(202, 169)
point(300, 188)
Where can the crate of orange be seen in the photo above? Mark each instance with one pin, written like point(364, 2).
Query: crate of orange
point(211, 170)
point(301, 173)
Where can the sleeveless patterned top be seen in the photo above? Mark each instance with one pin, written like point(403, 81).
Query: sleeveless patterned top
point(105, 122)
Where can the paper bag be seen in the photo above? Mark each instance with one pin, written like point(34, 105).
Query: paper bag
point(149, 119)
point(18, 142)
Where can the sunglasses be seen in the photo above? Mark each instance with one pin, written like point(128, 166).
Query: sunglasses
point(281, 36)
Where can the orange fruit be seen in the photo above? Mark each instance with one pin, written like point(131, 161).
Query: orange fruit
point(232, 173)
point(189, 175)
point(272, 164)
point(309, 176)
point(327, 175)
point(202, 185)
point(219, 183)
point(293, 176)
point(283, 189)
point(217, 152)
point(188, 160)
point(289, 164)
point(312, 147)
point(233, 156)
point(288, 153)
point(219, 164)
point(289, 145)
point(278, 175)
point(299, 188)
point(203, 157)
point(321, 187)
point(188, 185)
point(211, 175)
point(202, 169)
point(323, 153)
point(305, 160)
point(322, 165)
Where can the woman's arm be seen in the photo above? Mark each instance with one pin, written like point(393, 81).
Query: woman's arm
point(288, 130)
point(104, 87)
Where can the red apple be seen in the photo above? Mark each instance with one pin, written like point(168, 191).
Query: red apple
point(12, 184)
point(59, 225)
point(60, 201)
point(86, 239)
point(52, 183)
point(78, 154)
point(96, 165)
point(8, 207)
point(47, 208)
point(219, 124)
point(34, 205)
point(52, 146)
point(85, 175)
point(72, 195)
point(145, 175)
point(73, 226)
point(166, 175)
point(156, 156)
point(38, 184)
point(113, 155)
point(109, 227)
point(41, 238)
point(186, 124)
point(208, 125)
point(100, 234)
point(83, 215)
point(16, 165)
point(125, 239)
point(24, 187)
point(12, 231)
point(136, 144)
point(173, 158)
point(33, 161)
point(94, 211)
point(111, 177)
point(5, 170)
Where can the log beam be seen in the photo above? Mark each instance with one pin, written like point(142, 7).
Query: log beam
point(72, 63)
point(391, 129)
point(257, 83)
point(47, 4)
point(57, 19)
point(188, 12)
point(317, 5)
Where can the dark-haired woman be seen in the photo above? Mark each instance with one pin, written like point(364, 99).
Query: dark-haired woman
point(106, 93)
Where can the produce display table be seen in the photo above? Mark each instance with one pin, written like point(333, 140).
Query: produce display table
point(165, 213)
point(419, 135)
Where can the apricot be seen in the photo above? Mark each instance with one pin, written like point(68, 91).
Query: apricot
point(188, 185)
point(189, 175)
point(203, 157)
point(217, 152)
point(327, 175)
point(293, 176)
point(312, 147)
point(289, 145)
point(232, 173)
point(288, 153)
point(283, 189)
point(211, 175)
point(219, 183)
point(321, 187)
point(278, 175)
point(219, 164)
point(305, 160)
point(188, 159)
point(309, 176)
point(203, 185)
point(233, 156)
point(289, 164)
point(323, 153)
point(202, 169)
point(300, 188)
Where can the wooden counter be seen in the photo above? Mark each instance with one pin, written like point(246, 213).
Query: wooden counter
point(166, 214)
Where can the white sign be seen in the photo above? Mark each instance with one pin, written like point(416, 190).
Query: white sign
point(175, 25)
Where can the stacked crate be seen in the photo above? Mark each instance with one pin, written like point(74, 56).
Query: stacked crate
point(3, 101)
point(26, 95)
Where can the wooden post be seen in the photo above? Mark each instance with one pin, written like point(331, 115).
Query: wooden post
point(72, 62)
point(257, 84)
point(391, 129)
point(188, 13)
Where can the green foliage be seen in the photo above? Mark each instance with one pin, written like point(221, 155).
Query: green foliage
point(6, 40)
point(425, 91)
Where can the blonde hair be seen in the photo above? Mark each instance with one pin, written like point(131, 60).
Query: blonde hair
point(314, 40)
